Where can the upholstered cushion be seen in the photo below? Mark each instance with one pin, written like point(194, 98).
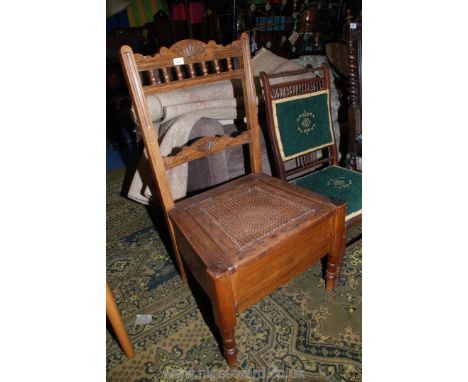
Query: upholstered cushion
point(338, 183)
point(302, 123)
point(288, 66)
point(209, 170)
point(266, 61)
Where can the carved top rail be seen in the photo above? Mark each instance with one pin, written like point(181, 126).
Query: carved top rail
point(300, 82)
point(192, 61)
point(191, 50)
point(293, 88)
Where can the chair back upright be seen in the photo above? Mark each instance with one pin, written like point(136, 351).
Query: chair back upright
point(299, 121)
point(190, 63)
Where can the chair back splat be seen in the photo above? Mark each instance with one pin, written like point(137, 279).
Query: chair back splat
point(245, 238)
point(280, 96)
point(185, 64)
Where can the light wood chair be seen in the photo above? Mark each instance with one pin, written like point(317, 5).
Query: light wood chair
point(245, 238)
point(113, 315)
point(302, 138)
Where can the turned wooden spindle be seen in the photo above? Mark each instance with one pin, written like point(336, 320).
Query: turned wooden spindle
point(153, 77)
point(192, 70)
point(229, 64)
point(204, 68)
point(179, 73)
point(217, 67)
point(167, 77)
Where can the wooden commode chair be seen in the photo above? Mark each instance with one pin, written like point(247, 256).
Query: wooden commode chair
point(245, 238)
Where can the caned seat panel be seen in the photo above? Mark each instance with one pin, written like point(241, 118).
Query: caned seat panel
point(252, 216)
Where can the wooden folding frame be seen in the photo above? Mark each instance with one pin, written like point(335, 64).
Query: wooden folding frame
point(281, 87)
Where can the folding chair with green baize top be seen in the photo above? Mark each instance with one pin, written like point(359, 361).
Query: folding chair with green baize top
point(301, 133)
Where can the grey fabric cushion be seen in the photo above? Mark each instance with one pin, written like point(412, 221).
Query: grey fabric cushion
point(213, 169)
point(266, 61)
point(219, 168)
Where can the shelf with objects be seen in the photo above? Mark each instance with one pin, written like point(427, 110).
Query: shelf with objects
point(291, 28)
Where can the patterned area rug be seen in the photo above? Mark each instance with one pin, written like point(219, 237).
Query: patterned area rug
point(298, 333)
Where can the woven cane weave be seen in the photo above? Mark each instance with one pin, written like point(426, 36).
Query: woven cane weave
point(254, 214)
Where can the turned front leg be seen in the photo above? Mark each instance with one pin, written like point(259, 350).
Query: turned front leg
point(224, 312)
point(337, 247)
point(342, 252)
